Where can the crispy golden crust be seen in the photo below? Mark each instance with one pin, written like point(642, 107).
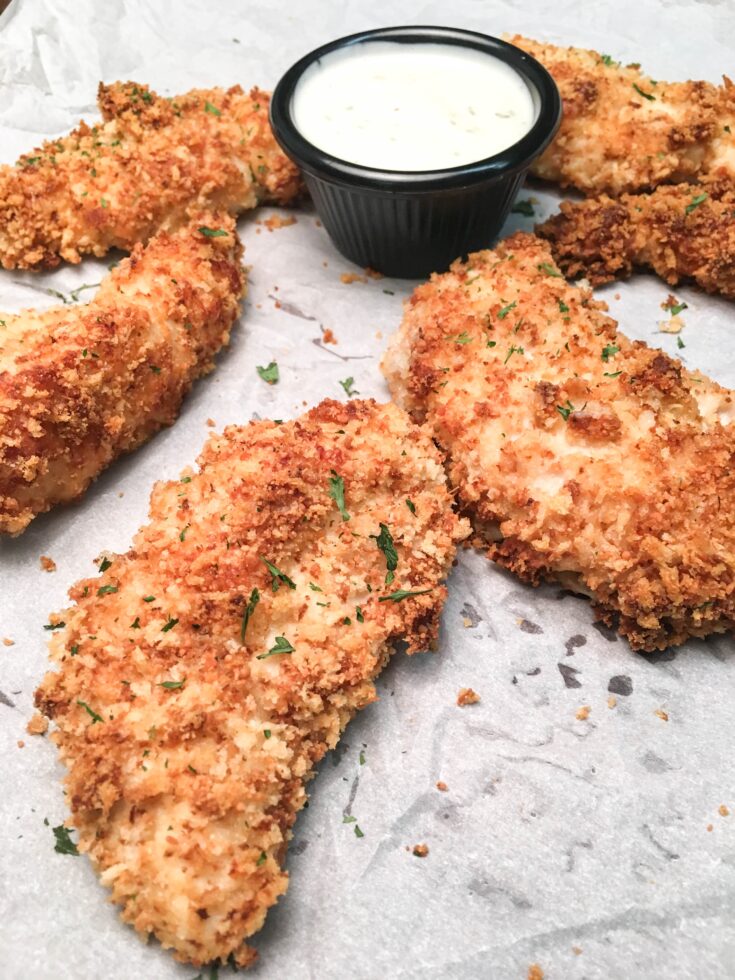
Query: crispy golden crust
point(684, 231)
point(138, 171)
point(623, 131)
point(79, 385)
point(185, 790)
point(580, 455)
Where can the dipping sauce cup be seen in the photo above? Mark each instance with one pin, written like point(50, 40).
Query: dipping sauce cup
point(413, 141)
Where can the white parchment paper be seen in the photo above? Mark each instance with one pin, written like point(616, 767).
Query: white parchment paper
point(593, 848)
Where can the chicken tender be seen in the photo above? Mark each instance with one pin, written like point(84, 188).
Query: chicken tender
point(80, 385)
point(683, 231)
point(209, 669)
point(580, 455)
point(623, 131)
point(138, 172)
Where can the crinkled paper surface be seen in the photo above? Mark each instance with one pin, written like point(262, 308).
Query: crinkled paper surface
point(593, 848)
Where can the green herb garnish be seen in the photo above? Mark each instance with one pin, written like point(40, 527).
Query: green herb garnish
point(645, 95)
point(400, 594)
point(92, 714)
point(212, 232)
point(609, 351)
point(280, 646)
point(384, 541)
point(249, 610)
point(277, 576)
point(337, 493)
point(695, 202)
point(347, 385)
point(64, 844)
point(270, 373)
point(523, 207)
point(169, 624)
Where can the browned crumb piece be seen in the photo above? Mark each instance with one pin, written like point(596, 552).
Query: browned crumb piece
point(328, 336)
point(577, 950)
point(467, 696)
point(710, 828)
point(38, 725)
point(670, 302)
point(612, 701)
point(442, 786)
point(583, 713)
point(349, 277)
point(723, 810)
point(47, 564)
point(373, 273)
point(21, 743)
point(7, 642)
point(535, 972)
point(420, 850)
point(660, 713)
point(211, 423)
point(277, 221)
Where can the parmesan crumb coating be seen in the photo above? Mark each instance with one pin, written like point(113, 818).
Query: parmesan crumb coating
point(138, 171)
point(79, 385)
point(624, 131)
point(207, 671)
point(580, 455)
point(683, 231)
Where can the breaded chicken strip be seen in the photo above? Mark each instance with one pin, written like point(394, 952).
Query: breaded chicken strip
point(623, 131)
point(683, 231)
point(139, 171)
point(581, 456)
point(79, 385)
point(206, 673)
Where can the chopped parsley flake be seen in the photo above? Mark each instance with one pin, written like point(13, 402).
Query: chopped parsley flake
point(172, 685)
point(680, 343)
point(212, 232)
point(135, 625)
point(270, 373)
point(565, 412)
point(64, 844)
point(92, 714)
point(549, 269)
point(182, 536)
point(502, 314)
point(563, 308)
point(523, 207)
point(362, 758)
point(511, 351)
point(55, 626)
point(267, 733)
point(358, 832)
point(105, 564)
point(249, 610)
point(400, 594)
point(348, 818)
point(277, 576)
point(337, 493)
point(610, 351)
point(645, 95)
point(314, 588)
point(148, 598)
point(411, 505)
point(612, 374)
point(384, 541)
point(212, 109)
point(677, 308)
point(358, 614)
point(607, 60)
point(348, 389)
point(169, 624)
point(280, 646)
point(462, 338)
point(262, 859)
point(695, 202)
point(347, 621)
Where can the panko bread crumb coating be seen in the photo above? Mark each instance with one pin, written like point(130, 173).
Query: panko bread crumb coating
point(139, 171)
point(80, 385)
point(624, 131)
point(580, 455)
point(682, 231)
point(207, 671)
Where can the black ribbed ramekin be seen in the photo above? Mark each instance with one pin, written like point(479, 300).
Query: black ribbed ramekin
point(410, 224)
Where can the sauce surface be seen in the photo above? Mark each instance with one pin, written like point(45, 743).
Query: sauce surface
point(412, 107)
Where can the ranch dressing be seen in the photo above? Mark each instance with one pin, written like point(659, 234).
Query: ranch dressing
point(412, 107)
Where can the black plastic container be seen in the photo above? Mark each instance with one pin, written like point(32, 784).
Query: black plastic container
point(411, 224)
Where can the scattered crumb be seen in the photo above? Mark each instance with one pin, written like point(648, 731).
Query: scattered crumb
point(723, 810)
point(617, 295)
point(276, 221)
point(466, 622)
point(535, 972)
point(257, 231)
point(442, 786)
point(47, 564)
point(121, 493)
point(660, 713)
point(583, 713)
point(420, 850)
point(318, 223)
point(38, 725)
point(467, 696)
point(277, 304)
point(612, 701)
point(373, 273)
point(328, 336)
point(276, 288)
point(7, 642)
point(673, 325)
point(325, 264)
point(350, 277)
point(710, 828)
point(211, 423)
point(21, 743)
point(378, 334)
point(577, 950)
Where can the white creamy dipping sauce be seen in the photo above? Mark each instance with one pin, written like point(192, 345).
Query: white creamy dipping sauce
point(412, 107)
